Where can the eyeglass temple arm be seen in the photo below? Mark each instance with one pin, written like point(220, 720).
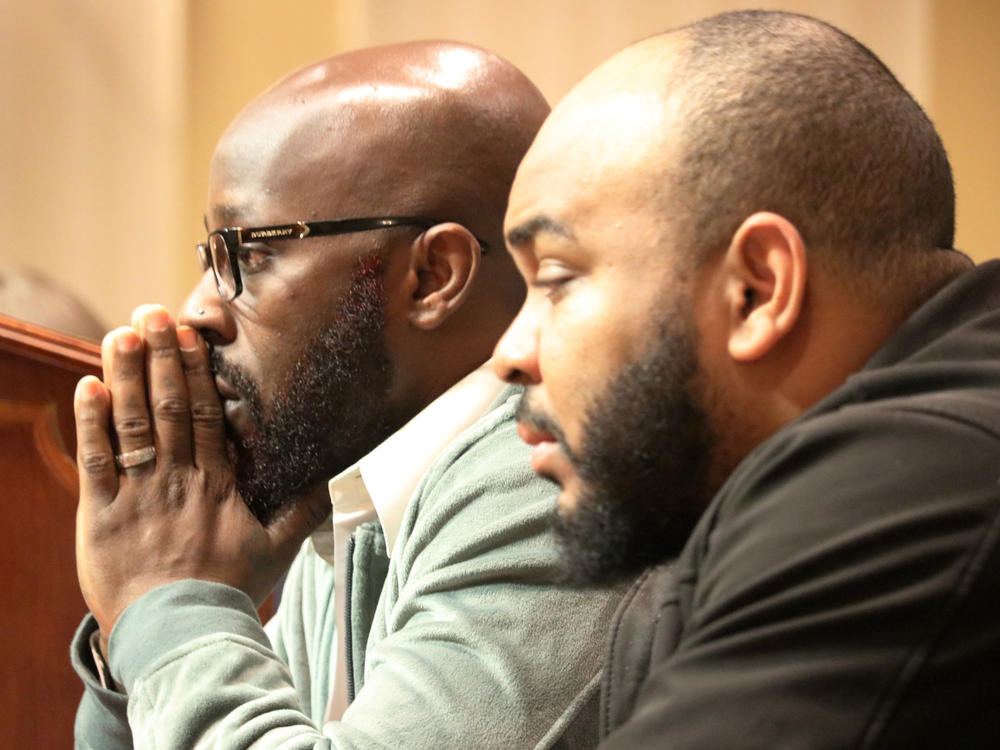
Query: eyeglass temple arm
point(341, 226)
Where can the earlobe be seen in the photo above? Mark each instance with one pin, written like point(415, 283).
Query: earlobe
point(445, 262)
point(765, 267)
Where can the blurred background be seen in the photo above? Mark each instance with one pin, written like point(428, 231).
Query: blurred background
point(111, 108)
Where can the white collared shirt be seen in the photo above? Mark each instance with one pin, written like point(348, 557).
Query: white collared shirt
point(380, 486)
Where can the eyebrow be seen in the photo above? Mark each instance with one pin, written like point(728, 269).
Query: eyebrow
point(525, 232)
point(229, 214)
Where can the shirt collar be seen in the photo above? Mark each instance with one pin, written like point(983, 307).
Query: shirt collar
point(391, 472)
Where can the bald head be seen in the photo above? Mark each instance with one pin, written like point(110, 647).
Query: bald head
point(422, 128)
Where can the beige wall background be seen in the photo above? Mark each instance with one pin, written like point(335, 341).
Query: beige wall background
point(111, 108)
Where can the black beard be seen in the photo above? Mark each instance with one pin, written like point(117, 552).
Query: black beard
point(329, 413)
point(643, 465)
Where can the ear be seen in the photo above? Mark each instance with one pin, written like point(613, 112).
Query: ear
point(765, 267)
point(443, 264)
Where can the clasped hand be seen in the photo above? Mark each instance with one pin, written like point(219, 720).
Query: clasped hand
point(178, 515)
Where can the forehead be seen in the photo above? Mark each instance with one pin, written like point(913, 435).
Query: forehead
point(611, 141)
point(598, 166)
point(290, 162)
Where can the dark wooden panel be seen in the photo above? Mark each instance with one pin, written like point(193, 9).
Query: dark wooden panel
point(39, 370)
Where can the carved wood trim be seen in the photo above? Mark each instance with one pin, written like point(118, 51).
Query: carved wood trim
point(41, 419)
point(45, 345)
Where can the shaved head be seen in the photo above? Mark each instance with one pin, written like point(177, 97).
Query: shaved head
point(770, 111)
point(788, 114)
point(427, 128)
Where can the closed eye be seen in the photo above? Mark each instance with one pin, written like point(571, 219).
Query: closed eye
point(553, 278)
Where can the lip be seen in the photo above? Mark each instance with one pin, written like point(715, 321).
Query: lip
point(545, 459)
point(546, 454)
point(226, 391)
point(532, 435)
point(236, 415)
point(233, 407)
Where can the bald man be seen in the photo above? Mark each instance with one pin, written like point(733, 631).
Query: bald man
point(354, 285)
point(744, 229)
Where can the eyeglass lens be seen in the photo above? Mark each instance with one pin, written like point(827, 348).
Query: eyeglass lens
point(221, 266)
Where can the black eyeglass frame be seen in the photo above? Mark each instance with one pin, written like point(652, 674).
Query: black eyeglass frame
point(234, 237)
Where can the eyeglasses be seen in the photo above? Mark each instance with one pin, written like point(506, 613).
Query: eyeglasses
point(222, 251)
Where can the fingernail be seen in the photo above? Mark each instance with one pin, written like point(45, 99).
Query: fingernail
point(187, 338)
point(89, 387)
point(157, 320)
point(127, 341)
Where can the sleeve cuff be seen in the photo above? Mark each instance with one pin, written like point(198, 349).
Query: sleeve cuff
point(171, 617)
point(101, 717)
point(103, 670)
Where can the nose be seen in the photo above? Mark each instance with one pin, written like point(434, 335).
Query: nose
point(515, 358)
point(205, 311)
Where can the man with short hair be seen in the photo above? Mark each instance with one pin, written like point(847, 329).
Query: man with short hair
point(744, 229)
point(354, 282)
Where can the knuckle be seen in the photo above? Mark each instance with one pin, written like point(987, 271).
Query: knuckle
point(88, 415)
point(96, 462)
point(132, 427)
point(163, 351)
point(175, 491)
point(206, 414)
point(171, 409)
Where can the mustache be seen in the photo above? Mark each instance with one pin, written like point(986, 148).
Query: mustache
point(238, 380)
point(534, 417)
point(230, 373)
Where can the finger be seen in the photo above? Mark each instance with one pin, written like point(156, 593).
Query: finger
point(167, 387)
point(108, 345)
point(107, 354)
point(206, 408)
point(139, 313)
point(127, 384)
point(94, 454)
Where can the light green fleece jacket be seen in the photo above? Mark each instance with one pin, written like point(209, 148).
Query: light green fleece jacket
point(468, 644)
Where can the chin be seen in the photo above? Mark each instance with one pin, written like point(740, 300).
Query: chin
point(567, 502)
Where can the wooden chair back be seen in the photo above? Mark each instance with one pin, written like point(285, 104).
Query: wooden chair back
point(39, 370)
